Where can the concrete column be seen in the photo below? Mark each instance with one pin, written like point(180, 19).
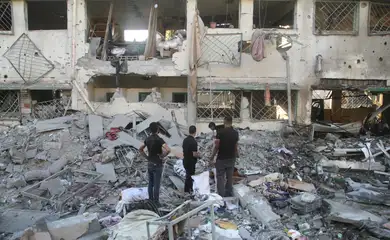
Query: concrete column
point(336, 105)
point(191, 106)
point(303, 108)
point(246, 18)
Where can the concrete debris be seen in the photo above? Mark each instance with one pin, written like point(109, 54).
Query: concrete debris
point(95, 124)
point(257, 204)
point(374, 166)
point(34, 175)
point(54, 124)
point(17, 156)
point(346, 214)
point(108, 155)
point(120, 120)
point(74, 227)
point(16, 182)
point(107, 170)
point(82, 163)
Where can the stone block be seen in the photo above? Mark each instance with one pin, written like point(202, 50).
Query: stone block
point(107, 170)
point(17, 156)
point(74, 227)
point(95, 127)
point(256, 203)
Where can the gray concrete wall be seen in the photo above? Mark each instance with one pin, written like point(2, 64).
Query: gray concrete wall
point(359, 57)
point(53, 44)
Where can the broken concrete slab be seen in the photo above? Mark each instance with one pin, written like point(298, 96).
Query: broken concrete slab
point(54, 186)
point(58, 165)
point(108, 155)
point(16, 220)
point(107, 170)
point(373, 166)
point(31, 153)
point(245, 234)
point(123, 139)
point(52, 145)
point(346, 214)
point(176, 138)
point(179, 184)
point(17, 156)
point(95, 127)
point(34, 175)
point(142, 126)
point(120, 120)
point(54, 124)
point(302, 186)
point(256, 203)
point(74, 227)
point(16, 182)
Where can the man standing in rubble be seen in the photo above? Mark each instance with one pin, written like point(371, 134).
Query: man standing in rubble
point(215, 128)
point(190, 152)
point(226, 149)
point(157, 151)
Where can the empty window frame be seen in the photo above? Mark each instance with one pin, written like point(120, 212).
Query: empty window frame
point(219, 13)
point(142, 96)
point(274, 14)
point(379, 22)
point(219, 104)
point(179, 97)
point(5, 16)
point(276, 108)
point(47, 15)
point(336, 17)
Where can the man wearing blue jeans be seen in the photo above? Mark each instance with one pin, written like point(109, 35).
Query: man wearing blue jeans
point(155, 146)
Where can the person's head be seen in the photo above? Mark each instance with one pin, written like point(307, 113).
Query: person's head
point(192, 130)
point(228, 121)
point(212, 126)
point(153, 127)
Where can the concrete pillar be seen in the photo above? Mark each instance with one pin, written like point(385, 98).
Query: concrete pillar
point(303, 108)
point(336, 105)
point(246, 19)
point(191, 106)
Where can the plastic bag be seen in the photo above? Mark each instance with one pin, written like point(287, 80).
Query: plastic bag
point(202, 183)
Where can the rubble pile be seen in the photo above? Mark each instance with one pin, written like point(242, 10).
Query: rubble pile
point(81, 177)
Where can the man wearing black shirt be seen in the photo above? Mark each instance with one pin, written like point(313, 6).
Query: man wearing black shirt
point(155, 146)
point(190, 152)
point(226, 145)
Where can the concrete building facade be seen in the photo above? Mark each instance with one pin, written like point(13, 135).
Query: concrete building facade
point(49, 50)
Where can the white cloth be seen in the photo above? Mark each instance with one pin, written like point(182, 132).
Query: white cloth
point(130, 195)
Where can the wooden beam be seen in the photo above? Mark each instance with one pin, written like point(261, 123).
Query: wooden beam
point(105, 43)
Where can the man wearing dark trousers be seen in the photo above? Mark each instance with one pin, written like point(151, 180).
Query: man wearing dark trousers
point(226, 146)
point(190, 152)
point(157, 150)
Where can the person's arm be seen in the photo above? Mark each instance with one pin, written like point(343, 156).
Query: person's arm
point(165, 148)
point(194, 149)
point(142, 150)
point(216, 147)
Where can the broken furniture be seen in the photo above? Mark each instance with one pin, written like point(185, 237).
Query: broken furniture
point(172, 219)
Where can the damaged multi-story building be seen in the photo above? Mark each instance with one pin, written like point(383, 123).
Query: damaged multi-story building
point(260, 61)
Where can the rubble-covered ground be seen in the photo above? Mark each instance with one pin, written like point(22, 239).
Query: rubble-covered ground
point(64, 178)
